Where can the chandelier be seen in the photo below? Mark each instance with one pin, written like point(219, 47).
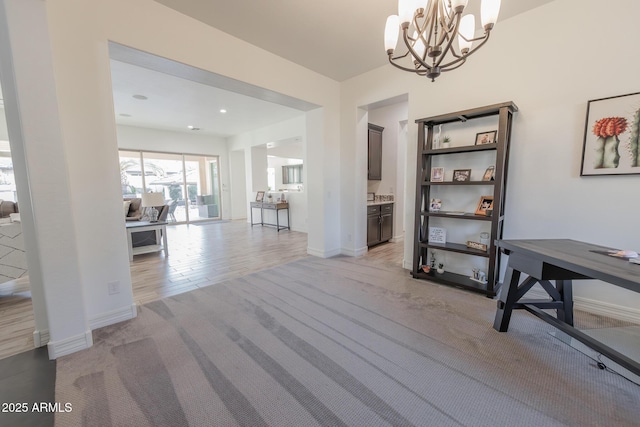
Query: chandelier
point(429, 29)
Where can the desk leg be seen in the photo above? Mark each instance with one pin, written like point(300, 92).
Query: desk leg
point(278, 220)
point(130, 245)
point(565, 289)
point(508, 297)
point(251, 211)
point(164, 241)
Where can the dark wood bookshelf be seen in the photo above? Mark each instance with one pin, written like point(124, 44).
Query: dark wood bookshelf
point(424, 187)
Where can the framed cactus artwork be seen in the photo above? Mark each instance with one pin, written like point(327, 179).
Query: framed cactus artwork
point(612, 136)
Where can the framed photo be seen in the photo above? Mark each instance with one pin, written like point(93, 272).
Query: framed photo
point(461, 175)
point(489, 174)
point(483, 138)
point(260, 196)
point(371, 197)
point(485, 206)
point(437, 235)
point(611, 141)
point(437, 174)
point(435, 205)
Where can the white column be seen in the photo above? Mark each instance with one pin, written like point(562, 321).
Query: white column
point(41, 172)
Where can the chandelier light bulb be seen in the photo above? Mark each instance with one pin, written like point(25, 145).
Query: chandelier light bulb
point(405, 11)
point(489, 11)
point(455, 4)
point(391, 32)
point(466, 32)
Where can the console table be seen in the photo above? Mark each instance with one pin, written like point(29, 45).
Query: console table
point(562, 261)
point(160, 227)
point(277, 207)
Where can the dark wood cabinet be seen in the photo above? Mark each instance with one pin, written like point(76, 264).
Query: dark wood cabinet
point(379, 223)
point(374, 166)
point(426, 189)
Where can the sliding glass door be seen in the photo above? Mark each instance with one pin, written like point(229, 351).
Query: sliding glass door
point(190, 183)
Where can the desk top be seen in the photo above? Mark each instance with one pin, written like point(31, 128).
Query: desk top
point(579, 257)
point(135, 224)
point(270, 205)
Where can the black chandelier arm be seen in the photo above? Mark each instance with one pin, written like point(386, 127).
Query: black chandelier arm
point(413, 52)
point(459, 63)
point(413, 70)
point(466, 55)
point(449, 43)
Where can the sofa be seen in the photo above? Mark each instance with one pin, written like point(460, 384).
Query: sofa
point(135, 212)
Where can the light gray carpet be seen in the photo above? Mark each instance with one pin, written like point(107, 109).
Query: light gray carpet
point(335, 342)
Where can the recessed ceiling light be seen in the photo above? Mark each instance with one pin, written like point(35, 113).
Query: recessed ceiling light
point(140, 97)
point(223, 111)
point(190, 127)
point(125, 115)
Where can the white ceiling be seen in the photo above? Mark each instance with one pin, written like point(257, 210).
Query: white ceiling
point(337, 38)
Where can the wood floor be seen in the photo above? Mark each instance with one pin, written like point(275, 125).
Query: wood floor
point(199, 255)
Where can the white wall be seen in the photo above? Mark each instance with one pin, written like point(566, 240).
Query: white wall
point(550, 72)
point(238, 185)
point(138, 138)
point(4, 135)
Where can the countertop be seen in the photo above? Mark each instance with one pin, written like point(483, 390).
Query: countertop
point(380, 203)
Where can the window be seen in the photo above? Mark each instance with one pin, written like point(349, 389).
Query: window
point(292, 174)
point(190, 183)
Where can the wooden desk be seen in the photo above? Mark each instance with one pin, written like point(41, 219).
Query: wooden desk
point(562, 261)
point(160, 227)
point(277, 207)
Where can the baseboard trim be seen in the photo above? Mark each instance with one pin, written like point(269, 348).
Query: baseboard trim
point(21, 284)
point(397, 239)
point(115, 316)
point(407, 264)
point(70, 345)
point(354, 252)
point(40, 338)
point(323, 254)
point(619, 312)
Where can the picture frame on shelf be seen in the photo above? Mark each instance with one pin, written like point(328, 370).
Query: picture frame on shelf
point(489, 174)
point(435, 205)
point(437, 235)
point(485, 206)
point(437, 174)
point(371, 197)
point(489, 137)
point(610, 144)
point(260, 196)
point(461, 175)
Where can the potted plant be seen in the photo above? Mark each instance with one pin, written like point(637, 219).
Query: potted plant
point(446, 142)
point(440, 269)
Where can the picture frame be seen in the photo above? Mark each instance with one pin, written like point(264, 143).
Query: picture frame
point(371, 197)
point(435, 205)
point(489, 137)
point(610, 146)
point(485, 206)
point(489, 174)
point(461, 175)
point(260, 196)
point(437, 174)
point(437, 235)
